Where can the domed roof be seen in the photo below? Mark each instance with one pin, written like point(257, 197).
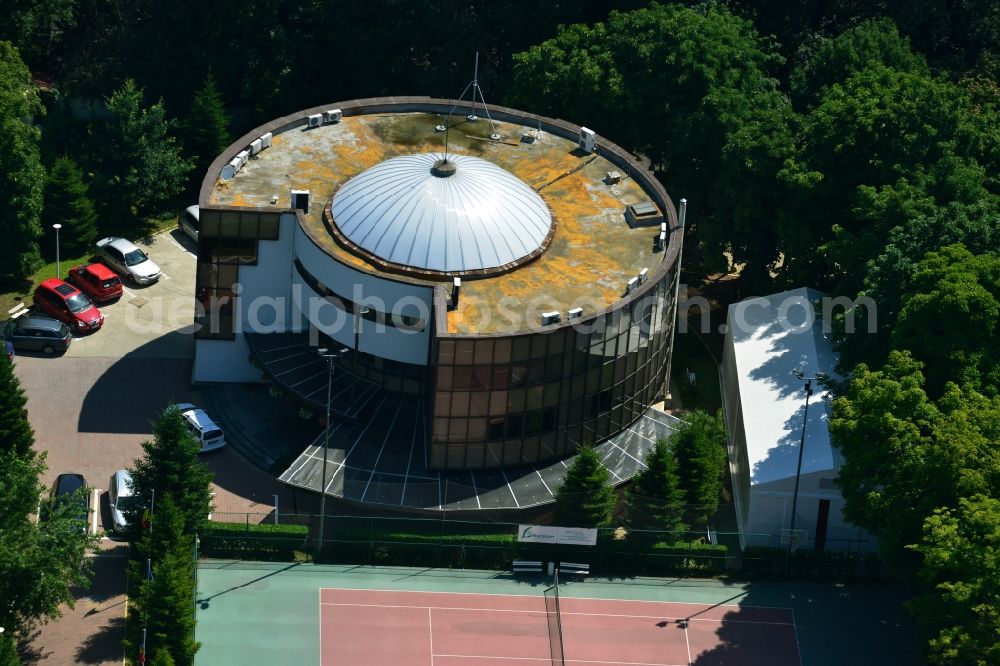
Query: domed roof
point(464, 217)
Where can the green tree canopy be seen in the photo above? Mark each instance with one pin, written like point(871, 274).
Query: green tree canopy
point(878, 150)
point(67, 203)
point(656, 500)
point(585, 498)
point(140, 160)
point(699, 446)
point(16, 435)
point(958, 613)
point(950, 317)
point(833, 60)
point(170, 466)
point(692, 89)
point(207, 125)
point(21, 174)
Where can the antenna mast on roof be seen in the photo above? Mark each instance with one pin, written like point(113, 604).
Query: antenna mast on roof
point(472, 117)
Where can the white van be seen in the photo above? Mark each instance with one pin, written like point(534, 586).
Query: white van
point(190, 222)
point(121, 499)
point(201, 425)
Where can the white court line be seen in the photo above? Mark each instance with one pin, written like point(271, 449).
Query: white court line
point(687, 641)
point(430, 632)
point(548, 660)
point(795, 627)
point(515, 610)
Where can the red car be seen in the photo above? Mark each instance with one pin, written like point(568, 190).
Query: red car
point(97, 281)
point(67, 304)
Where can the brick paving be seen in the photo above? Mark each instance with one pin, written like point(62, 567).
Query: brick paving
point(91, 410)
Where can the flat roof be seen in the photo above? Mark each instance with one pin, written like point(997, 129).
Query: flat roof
point(587, 264)
point(772, 338)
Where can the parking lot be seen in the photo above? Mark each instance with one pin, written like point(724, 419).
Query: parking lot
point(91, 410)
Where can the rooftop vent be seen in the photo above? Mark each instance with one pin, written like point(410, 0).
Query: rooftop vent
point(255, 147)
point(631, 285)
point(613, 178)
point(643, 275)
point(315, 120)
point(660, 242)
point(588, 140)
point(332, 116)
point(575, 313)
point(300, 200)
point(549, 318)
point(229, 171)
point(265, 140)
point(456, 287)
point(643, 214)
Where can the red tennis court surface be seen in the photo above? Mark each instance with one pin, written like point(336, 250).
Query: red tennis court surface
point(379, 627)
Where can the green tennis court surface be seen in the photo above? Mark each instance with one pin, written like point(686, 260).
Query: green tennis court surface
point(264, 613)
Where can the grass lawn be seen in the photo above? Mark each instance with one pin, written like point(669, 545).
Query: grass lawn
point(12, 294)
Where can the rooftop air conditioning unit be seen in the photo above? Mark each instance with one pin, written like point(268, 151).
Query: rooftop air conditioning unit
point(551, 318)
point(243, 156)
point(588, 140)
point(315, 120)
point(643, 275)
point(663, 227)
point(300, 200)
point(631, 285)
point(265, 140)
point(229, 171)
point(575, 313)
point(332, 116)
point(255, 147)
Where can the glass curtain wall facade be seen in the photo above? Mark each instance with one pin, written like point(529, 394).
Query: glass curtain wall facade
point(509, 400)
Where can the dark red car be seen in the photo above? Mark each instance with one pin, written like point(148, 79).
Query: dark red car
point(67, 304)
point(97, 281)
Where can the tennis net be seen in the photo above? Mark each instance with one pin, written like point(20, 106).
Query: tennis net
point(554, 616)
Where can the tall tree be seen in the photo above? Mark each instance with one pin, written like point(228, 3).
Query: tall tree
point(16, 435)
point(67, 203)
point(699, 446)
point(207, 125)
point(140, 159)
point(170, 466)
point(656, 501)
point(21, 174)
point(585, 498)
point(959, 612)
point(37, 26)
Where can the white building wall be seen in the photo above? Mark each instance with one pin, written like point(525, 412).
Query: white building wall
point(264, 301)
point(383, 295)
point(223, 361)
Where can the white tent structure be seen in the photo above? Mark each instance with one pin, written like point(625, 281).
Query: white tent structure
point(769, 341)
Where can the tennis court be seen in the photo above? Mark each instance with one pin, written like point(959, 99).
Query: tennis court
point(262, 614)
point(375, 627)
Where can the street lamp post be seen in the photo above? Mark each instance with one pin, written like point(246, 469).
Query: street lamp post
point(324, 353)
point(802, 444)
point(359, 312)
point(57, 227)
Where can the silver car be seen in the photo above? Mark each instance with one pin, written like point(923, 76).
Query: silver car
point(201, 425)
point(128, 260)
point(189, 222)
point(121, 499)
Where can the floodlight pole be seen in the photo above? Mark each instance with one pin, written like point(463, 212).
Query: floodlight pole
point(324, 353)
point(359, 312)
point(802, 444)
point(57, 227)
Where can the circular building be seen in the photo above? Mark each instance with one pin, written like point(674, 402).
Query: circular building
point(490, 297)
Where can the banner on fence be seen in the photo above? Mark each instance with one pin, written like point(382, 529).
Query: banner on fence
point(579, 536)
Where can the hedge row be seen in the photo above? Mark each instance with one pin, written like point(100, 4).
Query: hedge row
point(252, 541)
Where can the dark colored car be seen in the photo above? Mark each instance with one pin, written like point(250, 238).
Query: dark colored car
point(73, 488)
point(97, 281)
point(67, 304)
point(30, 333)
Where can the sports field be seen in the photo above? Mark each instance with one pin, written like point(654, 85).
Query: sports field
point(262, 614)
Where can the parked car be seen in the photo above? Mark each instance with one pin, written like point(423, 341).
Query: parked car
point(73, 488)
point(201, 425)
point(189, 222)
point(131, 262)
point(97, 281)
point(123, 502)
point(31, 333)
point(67, 304)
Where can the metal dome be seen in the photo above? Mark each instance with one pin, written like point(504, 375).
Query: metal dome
point(410, 214)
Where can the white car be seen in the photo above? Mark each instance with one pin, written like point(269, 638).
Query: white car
point(125, 258)
point(201, 425)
